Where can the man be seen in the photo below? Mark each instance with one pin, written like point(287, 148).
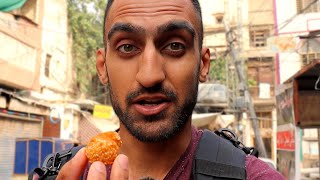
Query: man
point(152, 62)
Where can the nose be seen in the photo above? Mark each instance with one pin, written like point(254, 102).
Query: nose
point(151, 68)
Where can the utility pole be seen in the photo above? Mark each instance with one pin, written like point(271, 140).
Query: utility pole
point(239, 49)
point(239, 70)
point(239, 26)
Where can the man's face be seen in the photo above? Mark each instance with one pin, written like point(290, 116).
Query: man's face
point(153, 63)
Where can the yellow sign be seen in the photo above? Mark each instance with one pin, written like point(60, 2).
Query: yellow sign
point(102, 111)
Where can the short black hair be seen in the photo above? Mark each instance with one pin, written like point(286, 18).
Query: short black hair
point(196, 6)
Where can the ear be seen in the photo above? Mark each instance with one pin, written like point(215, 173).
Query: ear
point(205, 64)
point(101, 66)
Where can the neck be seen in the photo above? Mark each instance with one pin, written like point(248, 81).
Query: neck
point(153, 159)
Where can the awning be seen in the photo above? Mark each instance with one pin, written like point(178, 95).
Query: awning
point(23, 104)
point(90, 126)
point(9, 5)
point(201, 120)
point(305, 85)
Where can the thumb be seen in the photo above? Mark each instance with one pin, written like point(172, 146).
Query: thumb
point(120, 170)
point(74, 168)
point(97, 171)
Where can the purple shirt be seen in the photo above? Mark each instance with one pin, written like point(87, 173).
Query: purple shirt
point(256, 169)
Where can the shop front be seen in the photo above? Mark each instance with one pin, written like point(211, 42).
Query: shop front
point(298, 126)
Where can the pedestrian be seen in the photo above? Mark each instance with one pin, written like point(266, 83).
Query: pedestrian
point(152, 62)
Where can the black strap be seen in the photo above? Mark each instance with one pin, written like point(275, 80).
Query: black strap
point(215, 169)
point(217, 158)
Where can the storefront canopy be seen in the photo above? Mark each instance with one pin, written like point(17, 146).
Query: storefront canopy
point(9, 5)
point(306, 95)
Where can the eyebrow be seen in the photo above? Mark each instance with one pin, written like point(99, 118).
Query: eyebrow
point(176, 25)
point(125, 27)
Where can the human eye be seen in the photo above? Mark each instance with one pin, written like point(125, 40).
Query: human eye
point(127, 48)
point(174, 49)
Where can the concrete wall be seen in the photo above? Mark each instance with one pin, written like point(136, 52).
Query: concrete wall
point(214, 36)
point(20, 49)
point(242, 13)
point(289, 64)
point(55, 43)
point(260, 12)
point(209, 9)
point(25, 44)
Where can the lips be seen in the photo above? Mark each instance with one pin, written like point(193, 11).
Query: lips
point(148, 105)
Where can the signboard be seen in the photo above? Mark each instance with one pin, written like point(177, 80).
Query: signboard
point(285, 140)
point(283, 43)
point(286, 132)
point(286, 153)
point(102, 111)
point(284, 100)
point(286, 137)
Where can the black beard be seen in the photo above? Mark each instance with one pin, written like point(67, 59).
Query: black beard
point(179, 118)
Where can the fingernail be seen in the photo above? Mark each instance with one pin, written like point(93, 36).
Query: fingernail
point(99, 166)
point(123, 161)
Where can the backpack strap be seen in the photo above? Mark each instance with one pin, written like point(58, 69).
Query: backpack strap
point(217, 158)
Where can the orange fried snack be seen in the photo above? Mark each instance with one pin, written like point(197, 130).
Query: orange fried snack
point(104, 147)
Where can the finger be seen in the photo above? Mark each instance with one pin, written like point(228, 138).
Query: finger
point(97, 171)
point(35, 176)
point(75, 167)
point(120, 170)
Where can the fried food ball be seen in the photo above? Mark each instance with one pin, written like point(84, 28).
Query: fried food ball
point(104, 147)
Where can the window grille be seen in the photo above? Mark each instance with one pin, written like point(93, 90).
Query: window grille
point(258, 38)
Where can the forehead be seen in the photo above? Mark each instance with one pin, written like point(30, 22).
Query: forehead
point(151, 13)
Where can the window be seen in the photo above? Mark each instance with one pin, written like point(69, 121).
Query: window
point(219, 17)
point(258, 38)
point(265, 120)
point(309, 58)
point(47, 66)
point(308, 6)
point(261, 77)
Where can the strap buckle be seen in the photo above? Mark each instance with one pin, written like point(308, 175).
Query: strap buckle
point(233, 138)
point(53, 164)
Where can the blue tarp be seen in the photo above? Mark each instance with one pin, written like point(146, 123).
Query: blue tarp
point(9, 5)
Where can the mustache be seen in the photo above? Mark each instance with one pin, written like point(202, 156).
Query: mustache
point(170, 94)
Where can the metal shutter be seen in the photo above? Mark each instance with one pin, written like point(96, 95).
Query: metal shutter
point(10, 129)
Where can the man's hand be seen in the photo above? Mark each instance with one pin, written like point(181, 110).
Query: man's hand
point(120, 168)
point(76, 166)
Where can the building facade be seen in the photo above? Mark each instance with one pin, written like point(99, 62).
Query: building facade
point(274, 40)
point(297, 46)
point(251, 23)
point(36, 77)
point(296, 35)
